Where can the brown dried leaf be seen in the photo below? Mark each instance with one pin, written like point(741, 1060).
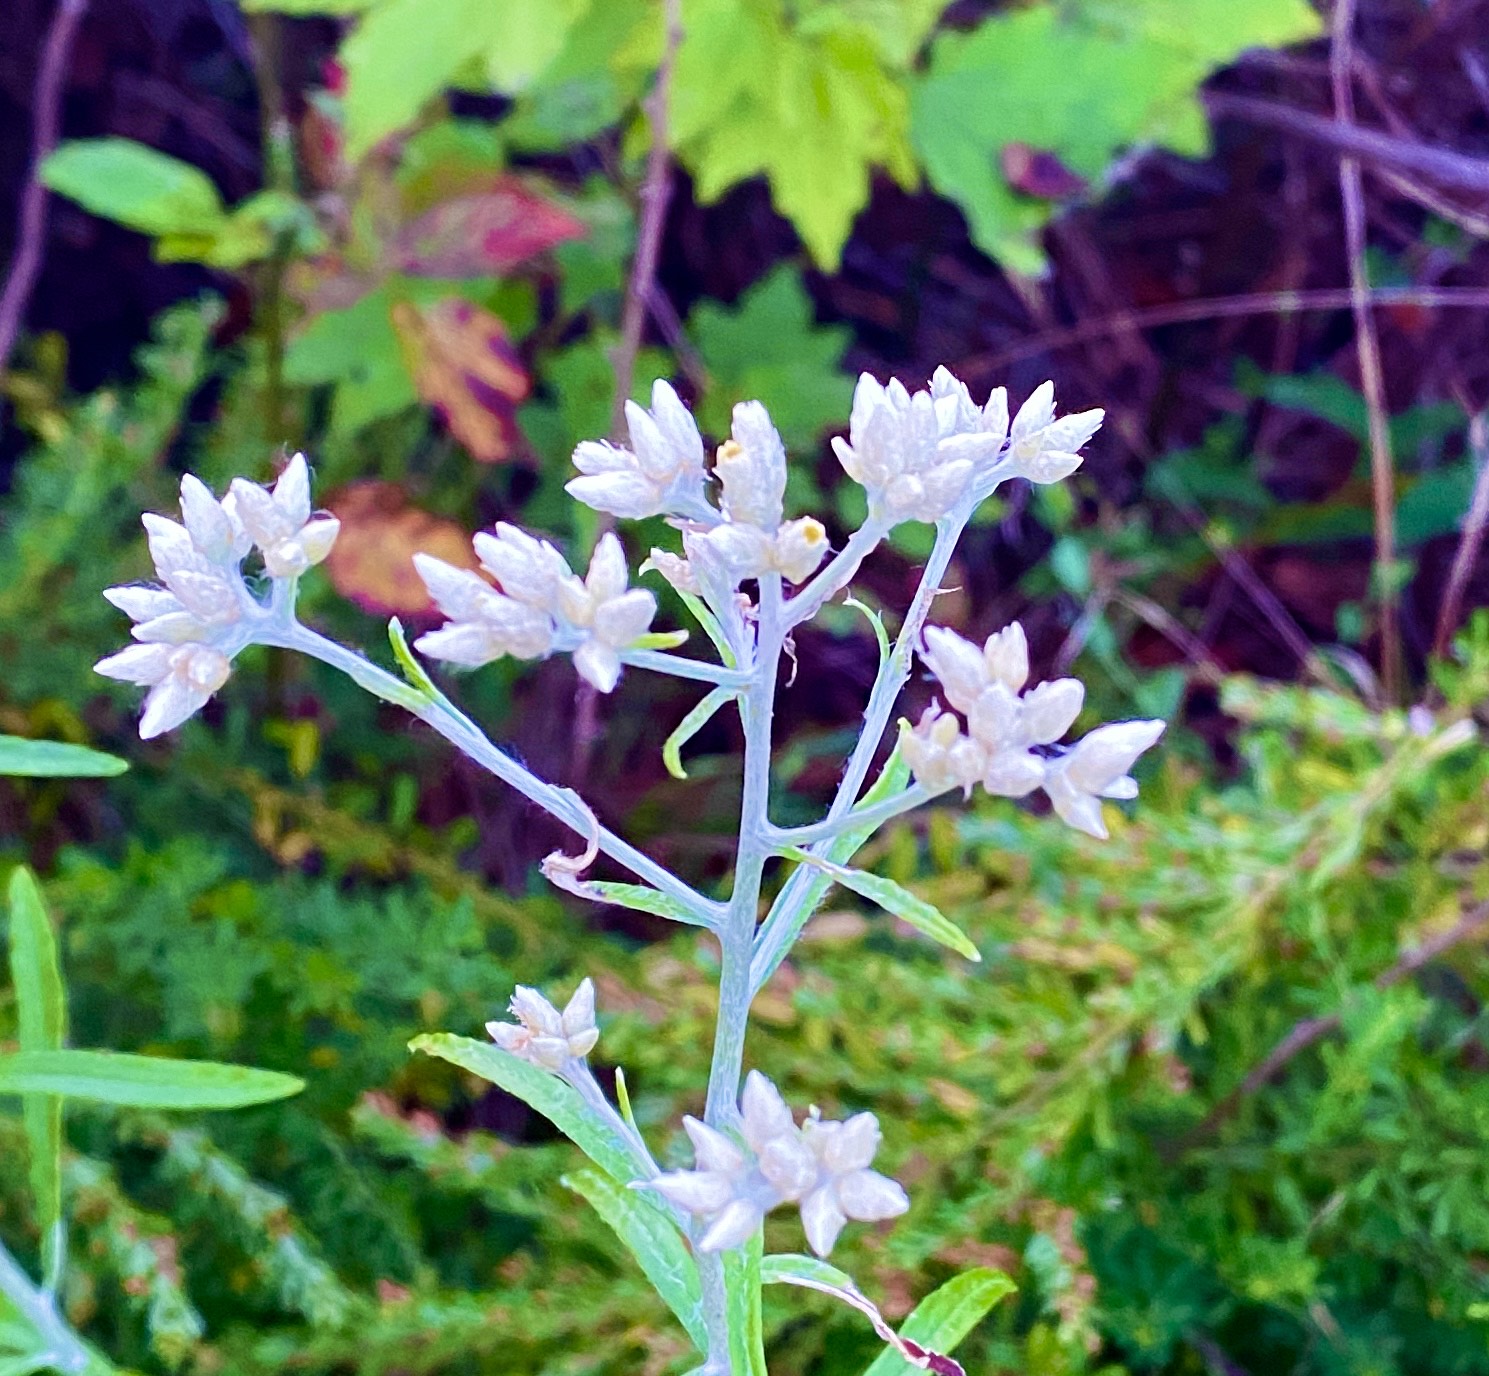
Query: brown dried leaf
point(372, 561)
point(484, 234)
point(465, 367)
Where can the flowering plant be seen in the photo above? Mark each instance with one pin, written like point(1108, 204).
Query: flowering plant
point(750, 577)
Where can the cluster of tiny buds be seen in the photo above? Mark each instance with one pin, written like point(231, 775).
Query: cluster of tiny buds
point(1005, 744)
point(821, 1166)
point(540, 605)
point(190, 629)
point(542, 1035)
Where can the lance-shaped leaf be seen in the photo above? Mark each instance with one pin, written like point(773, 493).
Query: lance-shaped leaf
point(812, 1274)
point(690, 726)
point(653, 1240)
point(27, 759)
point(746, 1319)
point(465, 367)
point(486, 234)
point(555, 1099)
point(941, 1320)
point(638, 897)
point(778, 932)
point(895, 898)
point(41, 1012)
point(108, 1077)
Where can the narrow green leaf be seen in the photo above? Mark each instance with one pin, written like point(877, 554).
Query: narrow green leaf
point(711, 627)
point(689, 727)
point(792, 1268)
point(557, 1101)
point(413, 671)
point(41, 1012)
point(895, 898)
point(881, 636)
point(660, 640)
point(135, 185)
point(623, 1098)
point(637, 897)
point(946, 1316)
point(107, 1077)
point(655, 1243)
point(892, 779)
point(30, 759)
point(746, 1322)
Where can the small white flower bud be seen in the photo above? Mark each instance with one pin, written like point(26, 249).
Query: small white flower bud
point(542, 1035)
point(751, 467)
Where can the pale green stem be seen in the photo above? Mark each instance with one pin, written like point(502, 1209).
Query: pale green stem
point(792, 907)
point(831, 828)
point(468, 738)
point(62, 1349)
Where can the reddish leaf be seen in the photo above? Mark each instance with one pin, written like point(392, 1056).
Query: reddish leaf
point(372, 561)
point(464, 366)
point(485, 234)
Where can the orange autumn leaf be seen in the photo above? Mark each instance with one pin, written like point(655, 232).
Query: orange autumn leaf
point(372, 561)
point(464, 366)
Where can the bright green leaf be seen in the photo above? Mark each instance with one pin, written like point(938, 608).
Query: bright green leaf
point(30, 759)
point(769, 346)
point(41, 1015)
point(557, 1101)
point(689, 727)
point(895, 898)
point(946, 1316)
point(655, 1243)
point(126, 181)
point(746, 1321)
point(107, 1077)
point(1082, 81)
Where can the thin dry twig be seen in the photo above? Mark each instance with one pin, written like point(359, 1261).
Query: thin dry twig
point(1451, 611)
point(985, 366)
point(1307, 1031)
point(656, 191)
point(31, 226)
point(1367, 346)
point(1440, 165)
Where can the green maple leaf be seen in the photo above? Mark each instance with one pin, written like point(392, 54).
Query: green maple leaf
point(1083, 82)
point(812, 104)
point(769, 346)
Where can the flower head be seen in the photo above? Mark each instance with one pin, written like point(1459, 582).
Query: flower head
point(541, 606)
point(821, 1166)
point(608, 615)
point(192, 627)
point(1005, 745)
point(1043, 448)
point(280, 522)
point(543, 1035)
point(662, 472)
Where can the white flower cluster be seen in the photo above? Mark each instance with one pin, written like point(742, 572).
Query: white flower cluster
point(544, 1036)
point(821, 1166)
point(540, 605)
point(1005, 726)
point(190, 629)
point(920, 454)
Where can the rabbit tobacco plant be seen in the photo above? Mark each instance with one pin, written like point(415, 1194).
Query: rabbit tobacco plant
point(750, 577)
